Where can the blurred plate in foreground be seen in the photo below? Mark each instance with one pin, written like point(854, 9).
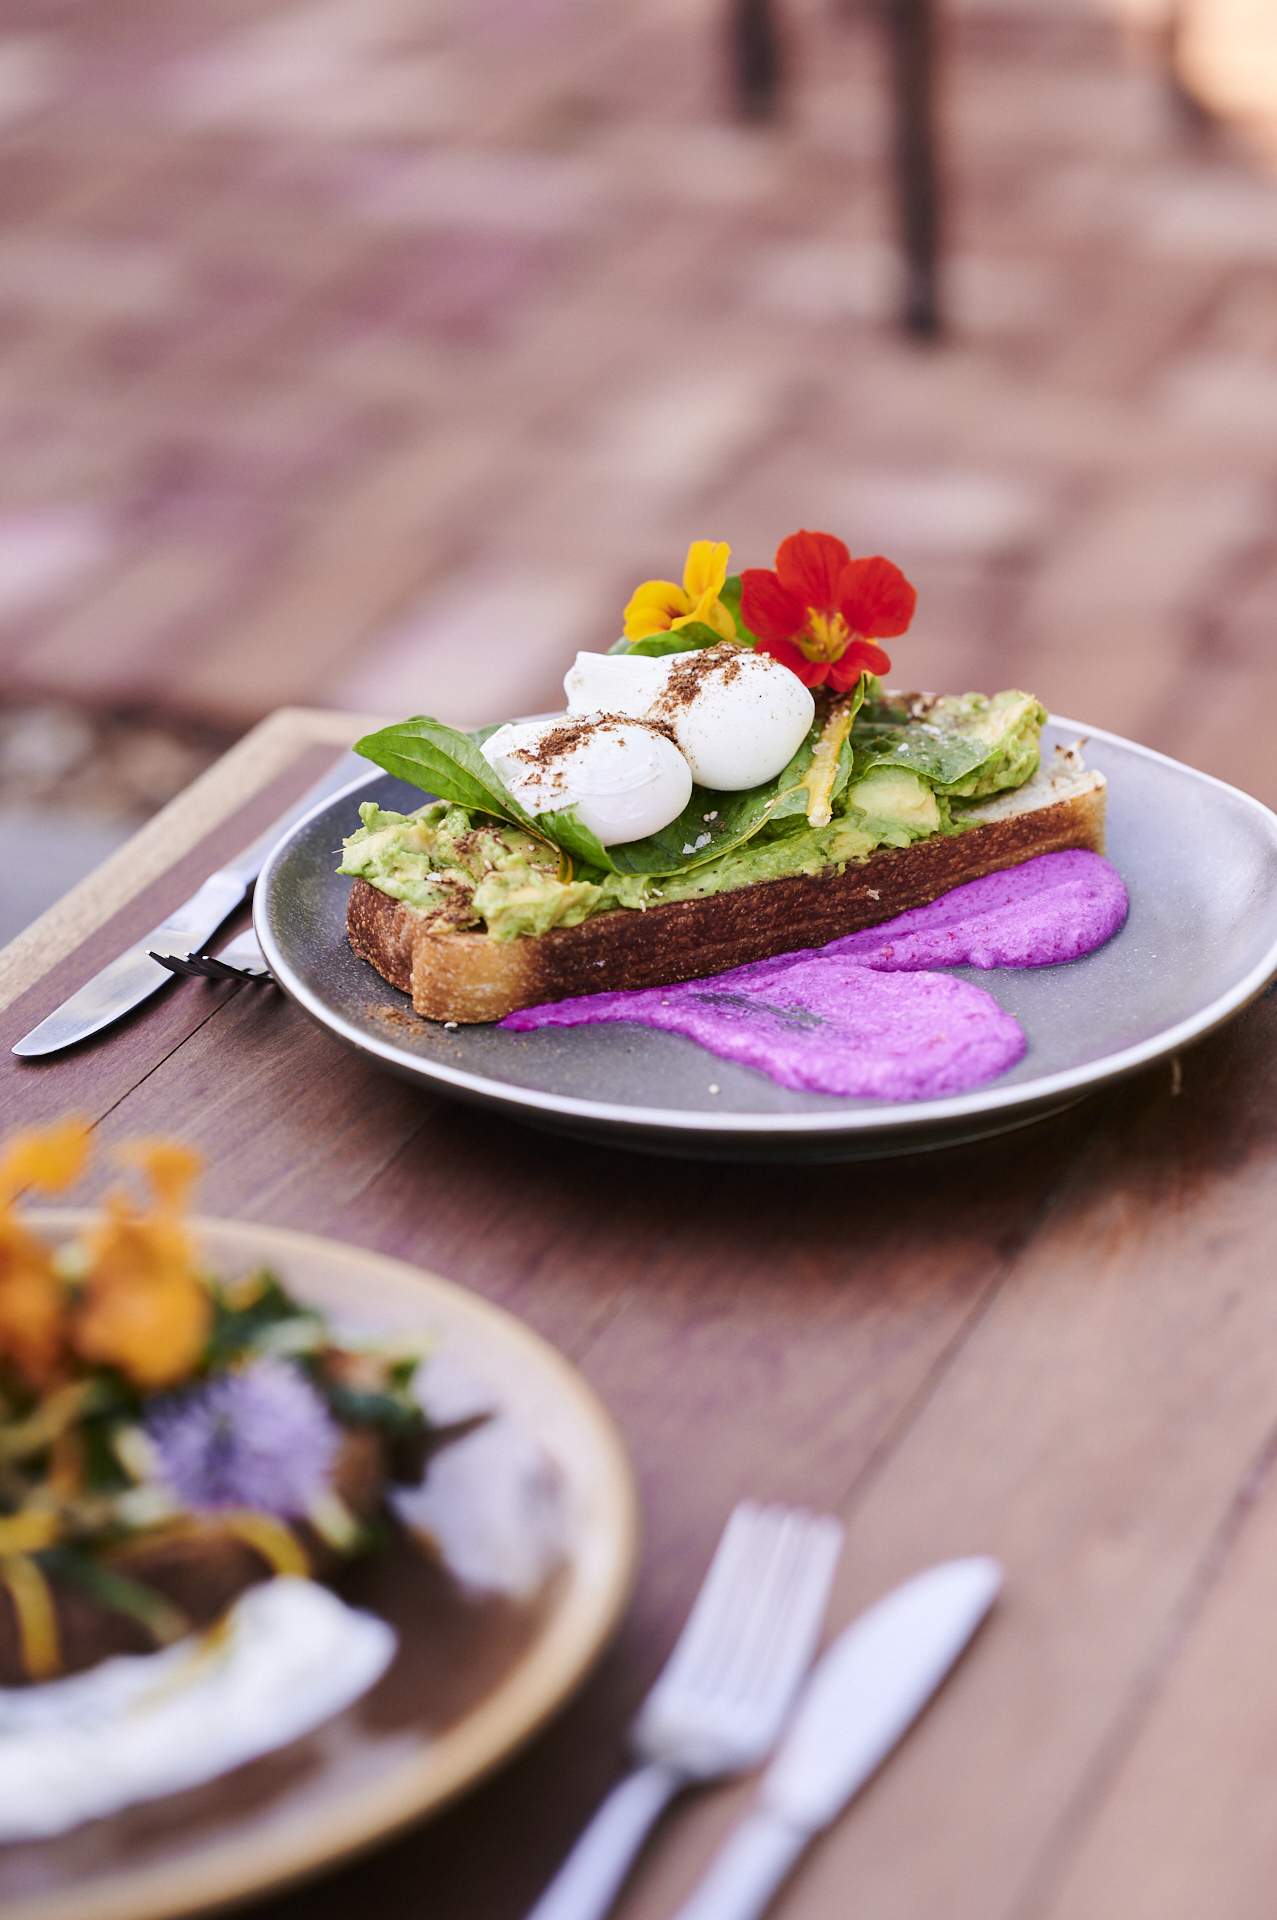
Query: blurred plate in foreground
point(532, 1520)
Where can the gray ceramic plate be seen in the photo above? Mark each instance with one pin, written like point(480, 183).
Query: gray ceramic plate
point(1199, 859)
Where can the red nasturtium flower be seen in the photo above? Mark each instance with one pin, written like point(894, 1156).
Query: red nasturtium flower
point(821, 612)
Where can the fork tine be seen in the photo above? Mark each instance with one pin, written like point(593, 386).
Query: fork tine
point(783, 1649)
point(804, 1559)
point(762, 1603)
point(210, 966)
point(714, 1603)
point(751, 1603)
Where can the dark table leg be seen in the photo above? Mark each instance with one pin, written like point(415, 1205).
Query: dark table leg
point(911, 35)
point(754, 42)
point(755, 53)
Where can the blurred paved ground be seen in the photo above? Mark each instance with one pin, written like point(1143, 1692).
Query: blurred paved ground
point(369, 351)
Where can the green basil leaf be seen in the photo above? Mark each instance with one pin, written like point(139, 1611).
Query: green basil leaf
point(688, 639)
point(570, 833)
point(443, 762)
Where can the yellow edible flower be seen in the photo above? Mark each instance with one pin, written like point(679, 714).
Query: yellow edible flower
point(32, 1297)
point(146, 1308)
point(659, 606)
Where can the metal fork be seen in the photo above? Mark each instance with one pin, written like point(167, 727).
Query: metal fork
point(718, 1705)
point(241, 960)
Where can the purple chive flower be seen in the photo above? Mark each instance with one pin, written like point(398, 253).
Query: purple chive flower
point(262, 1438)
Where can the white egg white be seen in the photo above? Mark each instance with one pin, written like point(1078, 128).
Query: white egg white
point(622, 779)
point(745, 718)
point(614, 683)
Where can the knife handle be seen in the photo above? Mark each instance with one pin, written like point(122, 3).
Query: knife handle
point(743, 1878)
point(592, 1875)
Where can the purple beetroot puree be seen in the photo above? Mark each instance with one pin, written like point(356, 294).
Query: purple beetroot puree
point(1057, 907)
point(860, 1017)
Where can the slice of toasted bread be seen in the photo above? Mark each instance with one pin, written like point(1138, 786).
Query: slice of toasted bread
point(470, 978)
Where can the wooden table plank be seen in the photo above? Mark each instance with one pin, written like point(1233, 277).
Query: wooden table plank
point(1093, 1433)
point(1054, 1347)
point(1204, 1752)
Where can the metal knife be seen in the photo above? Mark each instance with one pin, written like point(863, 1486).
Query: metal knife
point(126, 982)
point(862, 1698)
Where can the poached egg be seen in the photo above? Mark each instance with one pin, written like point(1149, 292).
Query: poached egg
point(737, 716)
point(623, 777)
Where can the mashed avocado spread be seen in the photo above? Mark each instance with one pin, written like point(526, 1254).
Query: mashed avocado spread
point(911, 773)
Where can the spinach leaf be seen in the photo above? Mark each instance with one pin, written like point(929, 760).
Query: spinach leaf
point(444, 762)
point(713, 824)
point(939, 756)
point(960, 743)
point(730, 597)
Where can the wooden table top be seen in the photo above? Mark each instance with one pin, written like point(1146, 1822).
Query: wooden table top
point(1060, 1348)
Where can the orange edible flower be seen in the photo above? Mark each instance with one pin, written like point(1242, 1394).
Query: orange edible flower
point(32, 1296)
point(32, 1303)
point(50, 1158)
point(146, 1308)
point(171, 1169)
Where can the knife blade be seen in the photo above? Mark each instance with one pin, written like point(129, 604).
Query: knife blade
point(862, 1698)
point(125, 982)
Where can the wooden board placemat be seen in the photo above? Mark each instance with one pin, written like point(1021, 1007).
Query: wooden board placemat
point(1060, 1348)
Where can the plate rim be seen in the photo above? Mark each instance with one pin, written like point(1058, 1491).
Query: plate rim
point(420, 1784)
point(895, 1118)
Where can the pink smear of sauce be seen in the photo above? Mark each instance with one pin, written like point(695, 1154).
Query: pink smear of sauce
point(864, 1017)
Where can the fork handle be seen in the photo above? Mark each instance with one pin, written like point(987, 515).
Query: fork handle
point(592, 1875)
point(752, 1864)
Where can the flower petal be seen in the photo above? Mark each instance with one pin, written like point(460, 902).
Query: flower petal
point(812, 673)
point(766, 608)
point(709, 611)
point(652, 607)
point(706, 568)
point(809, 566)
point(875, 599)
point(862, 656)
